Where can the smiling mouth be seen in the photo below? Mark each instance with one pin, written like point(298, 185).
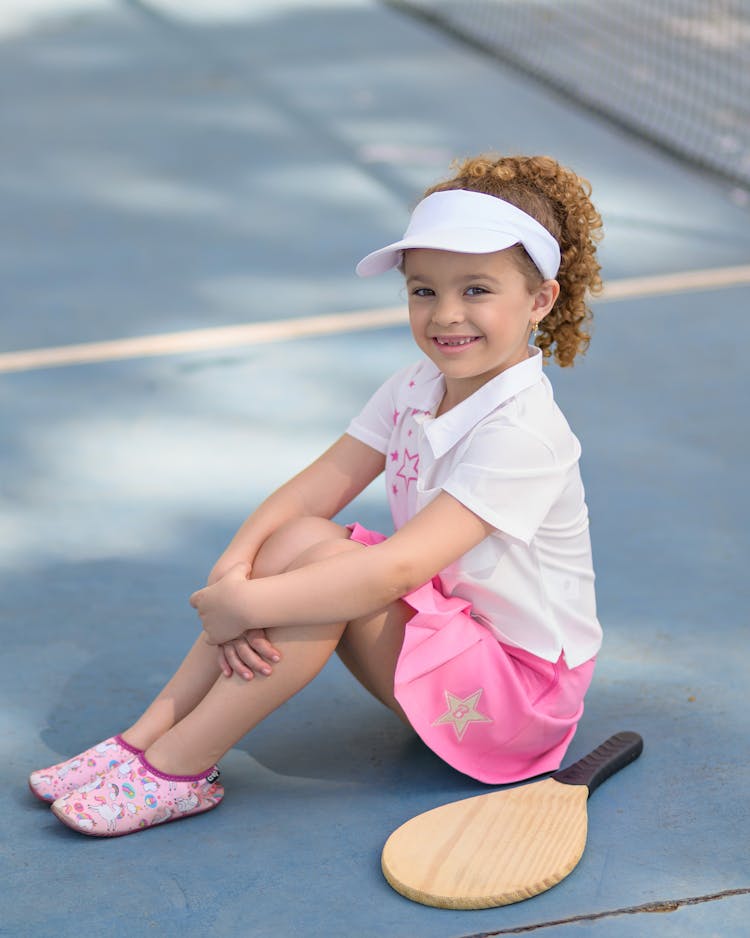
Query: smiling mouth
point(446, 341)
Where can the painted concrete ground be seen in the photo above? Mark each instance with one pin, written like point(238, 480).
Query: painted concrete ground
point(165, 169)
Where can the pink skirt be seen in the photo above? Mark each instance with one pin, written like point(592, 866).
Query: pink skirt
point(495, 712)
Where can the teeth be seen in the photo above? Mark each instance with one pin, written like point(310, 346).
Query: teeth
point(455, 341)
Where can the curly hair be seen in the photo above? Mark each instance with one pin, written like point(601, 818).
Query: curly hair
point(558, 199)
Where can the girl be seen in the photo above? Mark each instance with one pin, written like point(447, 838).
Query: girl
point(475, 621)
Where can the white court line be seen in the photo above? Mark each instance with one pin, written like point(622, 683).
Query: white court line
point(259, 333)
point(199, 340)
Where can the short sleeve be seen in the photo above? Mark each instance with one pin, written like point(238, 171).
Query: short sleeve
point(374, 423)
point(511, 478)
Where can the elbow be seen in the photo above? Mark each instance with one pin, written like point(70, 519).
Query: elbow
point(402, 576)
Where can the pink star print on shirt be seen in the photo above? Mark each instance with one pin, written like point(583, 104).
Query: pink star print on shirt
point(408, 470)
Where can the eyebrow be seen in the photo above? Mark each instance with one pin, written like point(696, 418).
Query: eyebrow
point(465, 278)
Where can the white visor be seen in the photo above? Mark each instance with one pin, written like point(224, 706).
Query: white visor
point(468, 223)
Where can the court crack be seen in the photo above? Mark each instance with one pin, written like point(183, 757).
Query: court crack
point(665, 905)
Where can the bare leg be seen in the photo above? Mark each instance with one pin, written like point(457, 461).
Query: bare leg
point(189, 684)
point(200, 669)
point(370, 647)
point(232, 707)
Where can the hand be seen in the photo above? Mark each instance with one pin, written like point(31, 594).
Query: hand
point(252, 653)
point(223, 607)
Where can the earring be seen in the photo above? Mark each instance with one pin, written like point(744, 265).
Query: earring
point(534, 327)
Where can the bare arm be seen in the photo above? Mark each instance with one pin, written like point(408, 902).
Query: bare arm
point(322, 489)
point(348, 585)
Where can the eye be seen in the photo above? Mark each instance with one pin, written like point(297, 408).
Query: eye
point(475, 291)
point(422, 291)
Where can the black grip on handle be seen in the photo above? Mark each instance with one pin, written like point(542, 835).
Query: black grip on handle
point(617, 752)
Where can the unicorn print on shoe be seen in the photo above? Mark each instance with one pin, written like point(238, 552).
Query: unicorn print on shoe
point(57, 780)
point(125, 802)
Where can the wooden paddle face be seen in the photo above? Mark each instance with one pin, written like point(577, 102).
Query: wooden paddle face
point(489, 850)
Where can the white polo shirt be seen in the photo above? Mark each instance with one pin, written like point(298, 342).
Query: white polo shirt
point(508, 454)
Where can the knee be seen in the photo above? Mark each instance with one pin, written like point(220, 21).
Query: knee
point(293, 540)
point(323, 550)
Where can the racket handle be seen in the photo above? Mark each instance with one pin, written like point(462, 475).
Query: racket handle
point(617, 752)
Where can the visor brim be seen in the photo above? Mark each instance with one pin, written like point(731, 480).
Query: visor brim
point(475, 241)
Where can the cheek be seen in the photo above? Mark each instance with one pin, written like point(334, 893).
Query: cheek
point(418, 320)
point(505, 324)
point(417, 333)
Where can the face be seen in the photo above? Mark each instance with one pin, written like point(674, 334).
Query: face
point(471, 314)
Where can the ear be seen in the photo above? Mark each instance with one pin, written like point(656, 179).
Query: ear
point(544, 299)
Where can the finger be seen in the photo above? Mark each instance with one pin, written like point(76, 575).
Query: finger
point(226, 669)
point(259, 643)
point(236, 663)
point(250, 657)
point(195, 598)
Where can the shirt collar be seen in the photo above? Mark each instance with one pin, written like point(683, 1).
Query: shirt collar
point(445, 431)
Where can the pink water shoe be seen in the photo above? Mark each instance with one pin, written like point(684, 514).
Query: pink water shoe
point(56, 781)
point(132, 797)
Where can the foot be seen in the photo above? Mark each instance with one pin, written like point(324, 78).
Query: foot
point(56, 781)
point(120, 803)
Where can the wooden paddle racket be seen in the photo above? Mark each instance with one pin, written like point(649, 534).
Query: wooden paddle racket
point(506, 846)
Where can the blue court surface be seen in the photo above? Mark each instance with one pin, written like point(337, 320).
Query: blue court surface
point(175, 166)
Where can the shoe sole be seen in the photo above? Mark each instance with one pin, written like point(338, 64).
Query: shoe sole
point(63, 818)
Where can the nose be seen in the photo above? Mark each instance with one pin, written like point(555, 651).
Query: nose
point(447, 311)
